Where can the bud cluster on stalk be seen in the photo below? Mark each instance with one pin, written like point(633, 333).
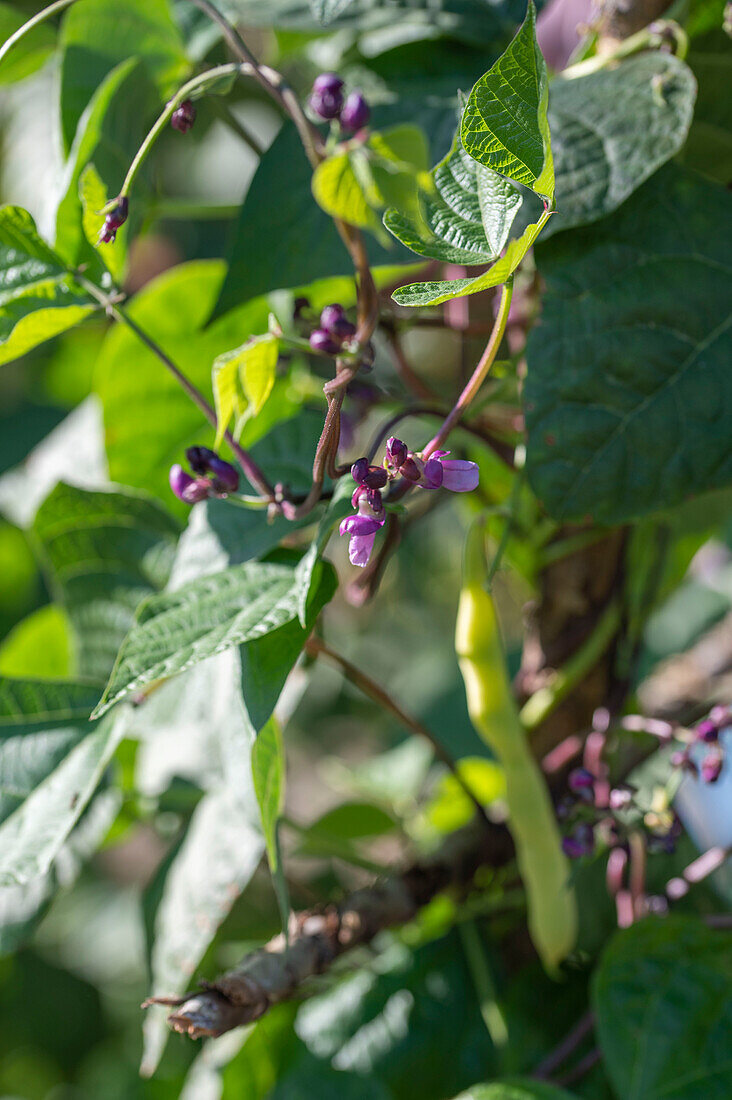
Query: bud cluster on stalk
point(210, 476)
point(327, 103)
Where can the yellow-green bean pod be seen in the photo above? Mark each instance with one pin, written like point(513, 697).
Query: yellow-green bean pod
point(552, 912)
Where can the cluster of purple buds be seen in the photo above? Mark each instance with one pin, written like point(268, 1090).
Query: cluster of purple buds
point(706, 732)
point(335, 329)
point(433, 473)
point(580, 842)
point(183, 117)
point(114, 220)
point(326, 101)
point(212, 477)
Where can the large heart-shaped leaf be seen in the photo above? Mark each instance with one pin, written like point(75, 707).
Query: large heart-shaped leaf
point(176, 630)
point(612, 129)
point(628, 368)
point(38, 297)
point(663, 989)
point(467, 216)
point(98, 35)
point(105, 551)
point(51, 761)
point(504, 124)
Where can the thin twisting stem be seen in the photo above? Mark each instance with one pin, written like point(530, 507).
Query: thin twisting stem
point(252, 472)
point(479, 374)
point(39, 17)
point(316, 648)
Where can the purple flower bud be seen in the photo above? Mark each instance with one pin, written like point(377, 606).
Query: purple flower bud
point(329, 83)
point(183, 117)
point(580, 843)
point(376, 477)
point(200, 458)
point(326, 100)
point(707, 731)
point(356, 112)
point(342, 330)
point(711, 767)
point(360, 470)
point(572, 848)
point(114, 220)
point(396, 452)
point(225, 476)
point(410, 470)
point(186, 488)
point(322, 341)
point(580, 779)
point(331, 315)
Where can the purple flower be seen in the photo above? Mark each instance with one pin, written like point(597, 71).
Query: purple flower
point(362, 527)
point(707, 730)
point(711, 767)
point(323, 342)
point(116, 218)
point(396, 452)
point(183, 117)
point(580, 843)
point(459, 475)
point(580, 780)
point(188, 489)
point(356, 112)
point(326, 99)
point(373, 477)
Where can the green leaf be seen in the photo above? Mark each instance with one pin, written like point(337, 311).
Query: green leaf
point(242, 381)
point(268, 774)
point(613, 129)
point(627, 370)
point(663, 989)
point(515, 1090)
point(109, 133)
point(389, 169)
point(219, 854)
point(333, 834)
point(467, 216)
point(175, 631)
point(38, 297)
point(27, 55)
point(504, 125)
point(423, 1001)
point(325, 11)
point(434, 293)
point(97, 36)
point(105, 552)
point(51, 761)
point(39, 647)
point(300, 244)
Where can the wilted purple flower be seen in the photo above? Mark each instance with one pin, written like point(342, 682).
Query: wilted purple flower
point(114, 220)
point(711, 767)
point(322, 341)
point(707, 730)
point(183, 117)
point(356, 112)
point(326, 99)
point(580, 843)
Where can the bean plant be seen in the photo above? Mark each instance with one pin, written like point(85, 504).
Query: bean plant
point(364, 690)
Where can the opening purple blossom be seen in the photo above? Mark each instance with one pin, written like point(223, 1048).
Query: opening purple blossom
point(188, 489)
point(396, 452)
point(460, 475)
point(322, 341)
